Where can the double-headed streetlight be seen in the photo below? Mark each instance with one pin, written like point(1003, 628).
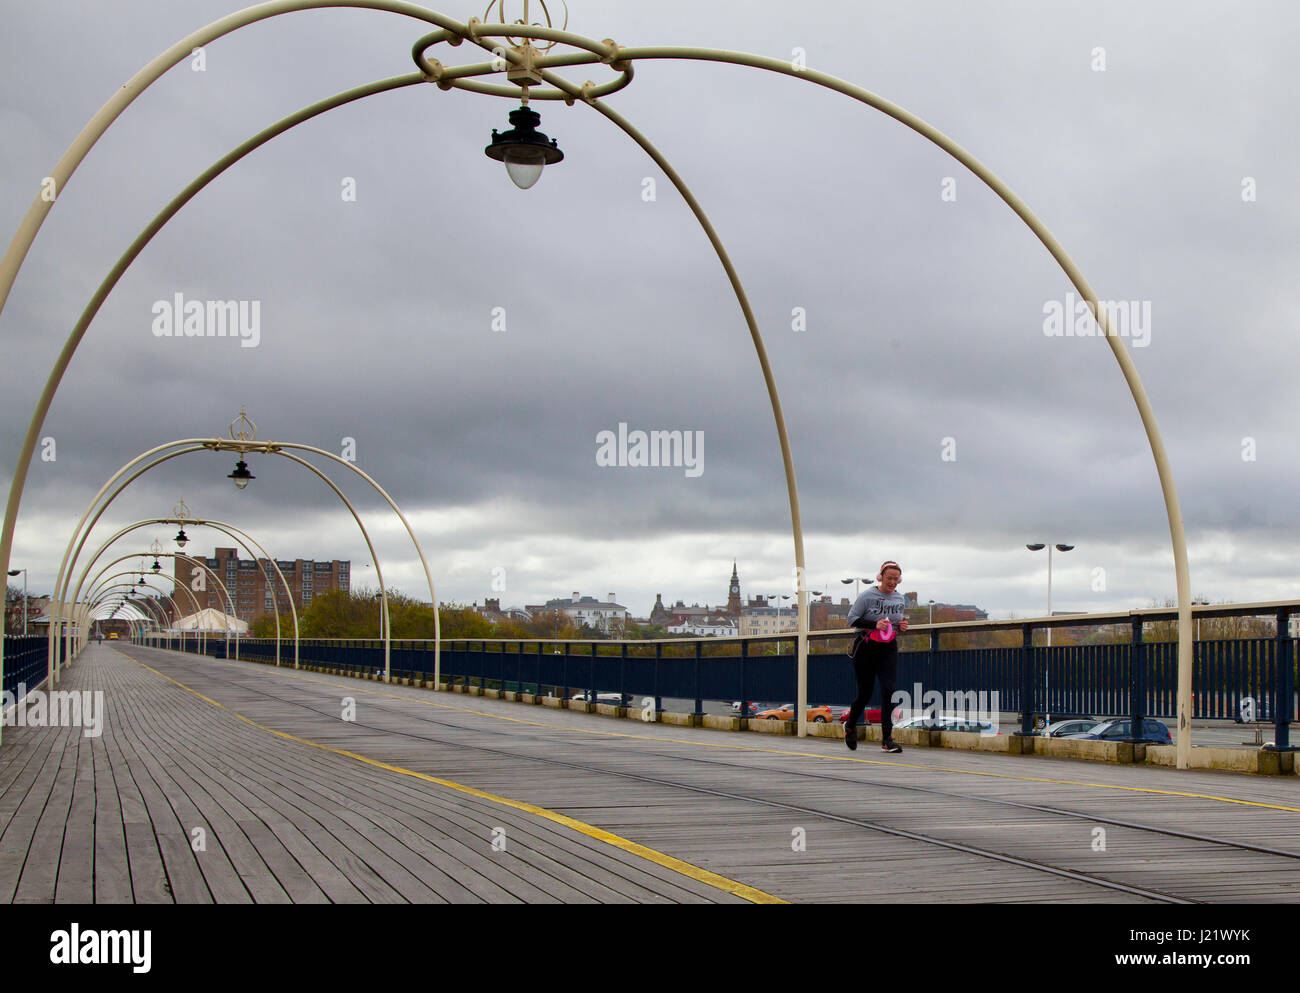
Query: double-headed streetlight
point(1038, 547)
point(1047, 678)
point(855, 581)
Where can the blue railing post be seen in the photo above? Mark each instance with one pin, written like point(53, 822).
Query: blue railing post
point(1282, 688)
point(564, 670)
point(622, 676)
point(744, 699)
point(932, 658)
point(1027, 706)
point(591, 675)
point(699, 703)
point(659, 700)
point(1137, 680)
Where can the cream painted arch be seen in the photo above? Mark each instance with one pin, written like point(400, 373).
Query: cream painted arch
point(620, 59)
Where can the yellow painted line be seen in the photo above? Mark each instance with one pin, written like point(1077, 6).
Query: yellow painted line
point(815, 755)
point(749, 893)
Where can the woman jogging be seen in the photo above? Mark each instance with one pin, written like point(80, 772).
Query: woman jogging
point(879, 616)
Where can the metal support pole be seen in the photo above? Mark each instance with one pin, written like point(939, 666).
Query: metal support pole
point(1137, 681)
point(1027, 706)
point(1283, 692)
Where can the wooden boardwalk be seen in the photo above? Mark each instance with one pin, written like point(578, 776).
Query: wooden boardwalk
point(247, 784)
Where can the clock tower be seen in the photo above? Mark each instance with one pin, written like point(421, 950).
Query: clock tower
point(733, 594)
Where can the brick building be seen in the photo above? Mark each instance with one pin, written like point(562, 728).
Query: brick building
point(246, 582)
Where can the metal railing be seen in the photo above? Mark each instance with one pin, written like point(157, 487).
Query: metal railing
point(27, 662)
point(1134, 679)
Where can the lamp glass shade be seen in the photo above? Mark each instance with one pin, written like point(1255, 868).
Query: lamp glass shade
point(524, 164)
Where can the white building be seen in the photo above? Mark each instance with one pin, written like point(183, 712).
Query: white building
point(603, 615)
point(703, 627)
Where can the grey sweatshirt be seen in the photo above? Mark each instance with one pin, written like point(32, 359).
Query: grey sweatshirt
point(873, 605)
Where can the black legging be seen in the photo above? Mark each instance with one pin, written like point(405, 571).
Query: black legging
point(876, 660)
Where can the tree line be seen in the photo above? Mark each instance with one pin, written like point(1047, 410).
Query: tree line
point(356, 614)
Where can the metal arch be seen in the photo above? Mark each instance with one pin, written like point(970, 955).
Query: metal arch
point(98, 587)
point(273, 448)
point(174, 580)
point(126, 603)
point(1145, 411)
point(131, 585)
point(104, 589)
point(36, 213)
point(235, 155)
point(77, 151)
point(140, 524)
point(65, 565)
point(249, 544)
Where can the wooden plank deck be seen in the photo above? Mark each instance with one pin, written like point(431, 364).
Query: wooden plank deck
point(116, 818)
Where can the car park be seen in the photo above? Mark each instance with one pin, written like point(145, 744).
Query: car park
point(1153, 731)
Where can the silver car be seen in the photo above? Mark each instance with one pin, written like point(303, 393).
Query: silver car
point(1075, 725)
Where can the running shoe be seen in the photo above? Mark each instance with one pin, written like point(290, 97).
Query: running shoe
point(888, 746)
point(851, 738)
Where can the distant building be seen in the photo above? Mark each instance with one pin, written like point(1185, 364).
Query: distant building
point(492, 611)
point(246, 582)
point(762, 616)
point(825, 615)
point(733, 595)
point(662, 615)
point(602, 615)
point(696, 627)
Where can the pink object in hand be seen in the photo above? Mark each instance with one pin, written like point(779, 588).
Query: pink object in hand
point(885, 635)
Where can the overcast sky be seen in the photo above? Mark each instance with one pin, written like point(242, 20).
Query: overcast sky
point(932, 419)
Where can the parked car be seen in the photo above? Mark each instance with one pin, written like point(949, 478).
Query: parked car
point(945, 723)
point(617, 699)
point(785, 712)
point(1152, 731)
point(871, 715)
point(752, 706)
point(1063, 729)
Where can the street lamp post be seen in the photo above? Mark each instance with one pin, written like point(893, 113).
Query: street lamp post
point(931, 611)
point(1047, 677)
